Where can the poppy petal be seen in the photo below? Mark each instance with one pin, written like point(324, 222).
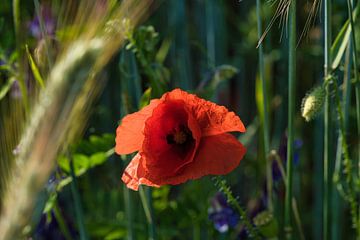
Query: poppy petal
point(133, 174)
point(129, 134)
point(212, 118)
point(216, 155)
point(164, 158)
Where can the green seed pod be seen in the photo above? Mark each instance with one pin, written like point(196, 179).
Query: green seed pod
point(267, 224)
point(312, 103)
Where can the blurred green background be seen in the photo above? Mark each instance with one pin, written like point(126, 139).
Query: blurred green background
point(206, 47)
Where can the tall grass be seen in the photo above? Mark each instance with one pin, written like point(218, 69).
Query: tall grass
point(265, 115)
point(57, 118)
point(291, 115)
point(327, 119)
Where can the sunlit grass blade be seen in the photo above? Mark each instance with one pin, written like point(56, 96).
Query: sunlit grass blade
point(34, 68)
point(265, 114)
point(60, 114)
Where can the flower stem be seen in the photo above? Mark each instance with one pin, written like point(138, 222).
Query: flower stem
point(221, 184)
point(327, 118)
point(146, 200)
point(265, 115)
point(129, 213)
point(77, 203)
point(291, 113)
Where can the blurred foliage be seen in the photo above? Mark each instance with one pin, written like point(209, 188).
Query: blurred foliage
point(206, 47)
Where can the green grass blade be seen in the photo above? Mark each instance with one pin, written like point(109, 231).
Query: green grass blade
point(34, 68)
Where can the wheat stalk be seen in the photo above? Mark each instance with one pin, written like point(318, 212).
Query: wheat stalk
point(59, 115)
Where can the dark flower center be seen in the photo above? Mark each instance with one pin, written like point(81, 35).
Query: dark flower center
point(179, 136)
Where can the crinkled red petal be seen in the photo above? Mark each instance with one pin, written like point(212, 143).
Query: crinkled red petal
point(216, 155)
point(212, 118)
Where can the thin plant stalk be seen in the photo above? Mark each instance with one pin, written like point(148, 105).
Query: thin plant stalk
point(357, 93)
point(265, 114)
point(146, 200)
point(60, 219)
point(221, 184)
point(77, 202)
point(294, 205)
point(350, 196)
point(18, 34)
point(336, 204)
point(291, 113)
point(128, 213)
point(146, 197)
point(128, 198)
point(152, 228)
point(327, 118)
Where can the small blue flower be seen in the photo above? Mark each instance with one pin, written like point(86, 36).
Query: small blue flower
point(223, 216)
point(48, 20)
point(282, 151)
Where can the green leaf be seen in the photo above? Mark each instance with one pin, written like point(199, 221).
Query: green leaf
point(6, 87)
point(341, 41)
point(145, 98)
point(34, 68)
point(50, 203)
point(116, 234)
point(63, 163)
point(163, 50)
point(81, 164)
point(98, 159)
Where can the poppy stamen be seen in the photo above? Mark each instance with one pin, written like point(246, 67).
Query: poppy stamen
point(180, 137)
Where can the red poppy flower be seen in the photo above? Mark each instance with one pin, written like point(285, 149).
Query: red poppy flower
point(179, 137)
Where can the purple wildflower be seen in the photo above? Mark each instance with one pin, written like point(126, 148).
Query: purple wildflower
point(48, 20)
point(223, 216)
point(282, 151)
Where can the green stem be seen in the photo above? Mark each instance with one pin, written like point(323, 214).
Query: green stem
point(291, 113)
point(146, 200)
point(60, 219)
point(221, 184)
point(351, 198)
point(129, 213)
point(77, 202)
point(336, 203)
point(357, 92)
point(152, 227)
point(327, 118)
point(295, 209)
point(20, 75)
point(265, 116)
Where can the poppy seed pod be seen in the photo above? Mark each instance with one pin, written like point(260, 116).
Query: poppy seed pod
point(312, 103)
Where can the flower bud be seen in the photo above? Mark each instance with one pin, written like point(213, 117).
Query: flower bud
point(312, 103)
point(267, 224)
